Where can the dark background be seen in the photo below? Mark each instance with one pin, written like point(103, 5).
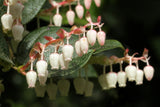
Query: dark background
point(136, 24)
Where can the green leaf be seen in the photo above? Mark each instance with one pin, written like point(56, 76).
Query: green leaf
point(76, 63)
point(32, 7)
point(102, 54)
point(5, 60)
point(91, 72)
point(109, 44)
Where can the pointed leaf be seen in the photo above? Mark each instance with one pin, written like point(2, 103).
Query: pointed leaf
point(76, 63)
point(31, 8)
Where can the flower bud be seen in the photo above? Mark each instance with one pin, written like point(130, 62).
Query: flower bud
point(54, 60)
point(67, 52)
point(131, 72)
point(57, 19)
point(31, 77)
point(101, 37)
point(97, 2)
point(7, 21)
point(63, 86)
point(139, 77)
point(79, 85)
point(40, 90)
point(43, 79)
point(70, 17)
point(80, 11)
point(52, 91)
point(148, 72)
point(78, 48)
point(111, 79)
point(17, 31)
point(88, 89)
point(41, 66)
point(87, 3)
point(122, 78)
point(103, 81)
point(84, 45)
point(91, 36)
point(16, 10)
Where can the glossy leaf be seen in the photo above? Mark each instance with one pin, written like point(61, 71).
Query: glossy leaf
point(32, 7)
point(5, 60)
point(76, 63)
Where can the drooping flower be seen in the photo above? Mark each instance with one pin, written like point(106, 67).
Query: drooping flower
point(67, 52)
point(54, 60)
point(70, 17)
point(101, 36)
point(84, 45)
point(31, 77)
point(41, 66)
point(111, 79)
point(122, 78)
point(80, 11)
point(148, 72)
point(91, 36)
point(57, 19)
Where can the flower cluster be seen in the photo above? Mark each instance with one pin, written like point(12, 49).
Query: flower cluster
point(61, 60)
point(11, 21)
point(132, 72)
point(63, 52)
point(79, 9)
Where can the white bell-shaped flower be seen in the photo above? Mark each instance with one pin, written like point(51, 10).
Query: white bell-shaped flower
point(87, 3)
point(131, 72)
point(80, 11)
point(79, 85)
point(101, 37)
point(103, 81)
point(88, 88)
point(70, 17)
point(111, 79)
point(139, 77)
point(121, 78)
point(148, 72)
point(31, 77)
point(54, 60)
point(78, 48)
point(91, 37)
point(41, 66)
point(7, 21)
point(57, 19)
point(97, 2)
point(84, 45)
point(17, 31)
point(52, 91)
point(64, 87)
point(67, 52)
